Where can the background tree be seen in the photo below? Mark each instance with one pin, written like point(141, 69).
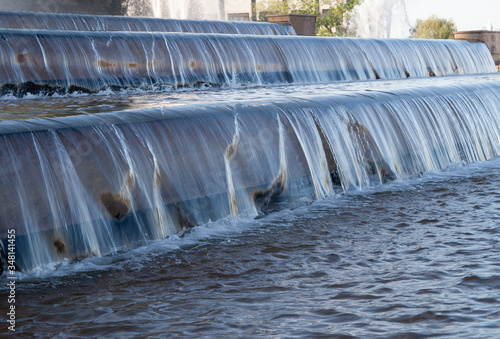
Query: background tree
point(434, 28)
point(333, 21)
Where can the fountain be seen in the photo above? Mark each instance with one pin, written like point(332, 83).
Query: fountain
point(180, 9)
point(49, 62)
point(381, 19)
point(92, 184)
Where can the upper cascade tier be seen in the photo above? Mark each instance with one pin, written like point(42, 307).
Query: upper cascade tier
point(50, 62)
point(81, 22)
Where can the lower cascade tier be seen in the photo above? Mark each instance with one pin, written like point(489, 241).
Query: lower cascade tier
point(92, 184)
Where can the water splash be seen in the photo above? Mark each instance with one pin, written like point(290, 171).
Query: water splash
point(157, 8)
point(180, 9)
point(381, 19)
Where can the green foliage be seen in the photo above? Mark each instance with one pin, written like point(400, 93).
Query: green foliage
point(331, 22)
point(434, 28)
point(336, 20)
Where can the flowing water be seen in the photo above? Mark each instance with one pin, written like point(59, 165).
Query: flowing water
point(81, 22)
point(179, 9)
point(172, 184)
point(121, 179)
point(415, 256)
point(48, 62)
point(409, 259)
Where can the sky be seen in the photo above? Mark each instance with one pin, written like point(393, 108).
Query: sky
point(468, 15)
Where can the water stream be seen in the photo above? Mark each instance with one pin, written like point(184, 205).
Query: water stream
point(126, 178)
point(234, 185)
point(62, 62)
point(81, 22)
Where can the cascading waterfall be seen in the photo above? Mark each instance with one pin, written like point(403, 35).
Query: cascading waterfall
point(80, 22)
point(50, 62)
point(86, 185)
point(92, 184)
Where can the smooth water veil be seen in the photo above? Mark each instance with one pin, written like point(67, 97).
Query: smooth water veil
point(178, 178)
point(89, 185)
point(48, 62)
point(81, 22)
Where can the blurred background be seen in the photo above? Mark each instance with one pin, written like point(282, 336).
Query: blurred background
point(361, 18)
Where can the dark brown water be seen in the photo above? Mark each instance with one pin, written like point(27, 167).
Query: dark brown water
point(31, 107)
point(409, 259)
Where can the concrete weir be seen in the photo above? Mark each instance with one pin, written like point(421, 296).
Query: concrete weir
point(80, 22)
point(92, 184)
point(49, 62)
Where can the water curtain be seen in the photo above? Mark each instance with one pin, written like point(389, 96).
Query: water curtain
point(82, 22)
point(49, 62)
point(93, 184)
point(85, 185)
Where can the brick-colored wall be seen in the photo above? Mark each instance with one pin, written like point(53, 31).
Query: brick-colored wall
point(303, 24)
